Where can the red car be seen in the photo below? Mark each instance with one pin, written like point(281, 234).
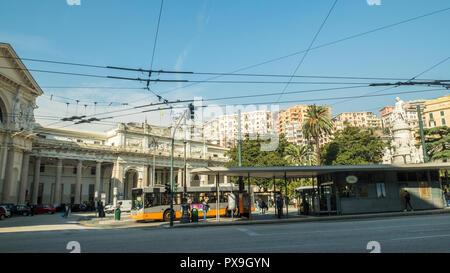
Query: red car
point(2, 213)
point(44, 209)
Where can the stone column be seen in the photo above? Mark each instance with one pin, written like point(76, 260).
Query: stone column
point(188, 177)
point(154, 171)
point(78, 183)
point(98, 172)
point(150, 176)
point(180, 178)
point(24, 178)
point(9, 176)
point(145, 182)
point(37, 173)
point(163, 176)
point(57, 194)
point(116, 179)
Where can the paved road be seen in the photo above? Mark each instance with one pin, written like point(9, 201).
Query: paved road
point(429, 233)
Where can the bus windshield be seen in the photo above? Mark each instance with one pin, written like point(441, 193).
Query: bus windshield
point(136, 199)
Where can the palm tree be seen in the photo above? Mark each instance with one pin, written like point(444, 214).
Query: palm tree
point(299, 155)
point(317, 124)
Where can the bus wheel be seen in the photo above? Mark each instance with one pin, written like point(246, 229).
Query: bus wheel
point(166, 216)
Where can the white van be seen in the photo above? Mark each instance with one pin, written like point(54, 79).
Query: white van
point(125, 207)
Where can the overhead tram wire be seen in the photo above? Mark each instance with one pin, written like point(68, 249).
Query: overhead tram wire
point(177, 81)
point(320, 46)
point(410, 80)
point(153, 55)
point(307, 51)
point(220, 74)
point(231, 97)
point(282, 102)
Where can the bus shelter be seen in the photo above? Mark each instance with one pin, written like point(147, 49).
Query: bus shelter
point(352, 189)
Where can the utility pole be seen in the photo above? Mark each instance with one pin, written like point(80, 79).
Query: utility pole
point(184, 168)
point(422, 138)
point(239, 138)
point(171, 169)
point(240, 179)
point(184, 171)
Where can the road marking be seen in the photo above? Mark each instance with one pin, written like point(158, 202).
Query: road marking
point(248, 232)
point(422, 237)
point(44, 228)
point(350, 229)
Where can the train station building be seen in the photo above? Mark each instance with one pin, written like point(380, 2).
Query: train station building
point(45, 165)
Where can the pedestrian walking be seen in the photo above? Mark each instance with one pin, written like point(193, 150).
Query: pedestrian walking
point(63, 207)
point(447, 197)
point(67, 210)
point(32, 210)
point(205, 207)
point(407, 197)
point(263, 207)
point(259, 205)
point(279, 207)
point(100, 209)
point(305, 206)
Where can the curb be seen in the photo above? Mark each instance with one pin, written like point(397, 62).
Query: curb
point(318, 219)
point(273, 221)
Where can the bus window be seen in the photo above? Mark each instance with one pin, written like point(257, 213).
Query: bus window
point(177, 198)
point(211, 196)
point(165, 199)
point(149, 200)
point(194, 196)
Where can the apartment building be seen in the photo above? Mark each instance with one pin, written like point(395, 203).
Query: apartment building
point(437, 112)
point(359, 119)
point(223, 130)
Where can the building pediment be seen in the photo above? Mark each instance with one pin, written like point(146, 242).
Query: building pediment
point(14, 72)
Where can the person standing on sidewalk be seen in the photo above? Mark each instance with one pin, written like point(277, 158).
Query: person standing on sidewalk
point(407, 197)
point(279, 206)
point(205, 207)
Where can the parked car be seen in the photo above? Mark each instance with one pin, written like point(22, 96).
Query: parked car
point(44, 209)
point(9, 207)
point(60, 208)
point(22, 210)
point(109, 208)
point(78, 208)
point(7, 211)
point(89, 206)
point(2, 213)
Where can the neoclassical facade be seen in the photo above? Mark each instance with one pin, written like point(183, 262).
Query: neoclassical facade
point(52, 166)
point(18, 93)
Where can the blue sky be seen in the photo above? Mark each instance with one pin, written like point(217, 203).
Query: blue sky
point(223, 36)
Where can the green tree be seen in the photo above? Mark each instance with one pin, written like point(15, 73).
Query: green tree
point(317, 124)
point(353, 146)
point(299, 155)
point(437, 141)
point(254, 156)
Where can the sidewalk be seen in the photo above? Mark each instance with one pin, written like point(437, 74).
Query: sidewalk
point(256, 218)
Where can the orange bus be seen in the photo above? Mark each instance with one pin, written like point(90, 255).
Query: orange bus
point(153, 203)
